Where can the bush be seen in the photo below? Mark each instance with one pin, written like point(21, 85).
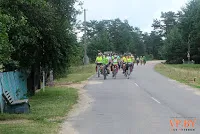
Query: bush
point(175, 61)
point(149, 57)
point(196, 58)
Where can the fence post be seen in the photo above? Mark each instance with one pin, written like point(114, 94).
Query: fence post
point(51, 78)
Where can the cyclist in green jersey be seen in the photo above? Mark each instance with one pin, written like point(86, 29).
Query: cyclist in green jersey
point(124, 61)
point(129, 62)
point(106, 62)
point(99, 61)
point(115, 63)
point(113, 57)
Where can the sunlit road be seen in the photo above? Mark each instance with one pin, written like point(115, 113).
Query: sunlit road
point(143, 104)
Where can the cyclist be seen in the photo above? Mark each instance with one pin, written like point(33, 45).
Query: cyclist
point(141, 60)
point(114, 63)
point(138, 60)
point(113, 56)
point(106, 62)
point(121, 61)
point(99, 61)
point(144, 60)
point(124, 59)
point(129, 62)
point(118, 59)
point(133, 59)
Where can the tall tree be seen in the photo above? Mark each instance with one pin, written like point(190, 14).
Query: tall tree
point(41, 35)
point(174, 48)
point(167, 22)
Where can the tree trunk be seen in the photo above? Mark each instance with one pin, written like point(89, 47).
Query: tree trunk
point(30, 82)
point(33, 81)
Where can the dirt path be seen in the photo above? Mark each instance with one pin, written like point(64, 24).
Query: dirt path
point(84, 103)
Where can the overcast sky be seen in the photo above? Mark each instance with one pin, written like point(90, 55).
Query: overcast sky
point(139, 13)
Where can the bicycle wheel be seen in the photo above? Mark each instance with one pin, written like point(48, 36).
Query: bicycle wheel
point(129, 71)
point(115, 73)
point(125, 71)
point(98, 68)
point(104, 72)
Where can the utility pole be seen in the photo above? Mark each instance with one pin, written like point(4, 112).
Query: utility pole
point(86, 59)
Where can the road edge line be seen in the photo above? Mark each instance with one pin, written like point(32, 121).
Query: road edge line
point(155, 100)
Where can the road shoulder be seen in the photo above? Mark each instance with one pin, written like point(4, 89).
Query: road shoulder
point(83, 104)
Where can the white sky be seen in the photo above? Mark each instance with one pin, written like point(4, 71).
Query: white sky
point(139, 13)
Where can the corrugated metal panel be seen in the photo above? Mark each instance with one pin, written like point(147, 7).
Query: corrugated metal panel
point(1, 98)
point(15, 83)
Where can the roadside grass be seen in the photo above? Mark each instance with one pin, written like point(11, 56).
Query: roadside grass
point(32, 127)
point(48, 109)
point(77, 74)
point(184, 73)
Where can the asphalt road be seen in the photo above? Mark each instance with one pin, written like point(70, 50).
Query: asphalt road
point(143, 104)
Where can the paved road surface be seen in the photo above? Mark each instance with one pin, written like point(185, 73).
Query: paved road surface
point(143, 104)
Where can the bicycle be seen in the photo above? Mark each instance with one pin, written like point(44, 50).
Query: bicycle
point(138, 62)
point(99, 68)
point(144, 62)
point(141, 62)
point(128, 70)
point(115, 70)
point(105, 71)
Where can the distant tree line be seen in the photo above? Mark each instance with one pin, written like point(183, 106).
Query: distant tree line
point(172, 36)
point(180, 33)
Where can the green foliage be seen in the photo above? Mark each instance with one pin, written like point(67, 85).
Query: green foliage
point(181, 32)
point(174, 47)
point(149, 57)
point(153, 43)
point(5, 46)
point(113, 35)
point(76, 58)
point(38, 33)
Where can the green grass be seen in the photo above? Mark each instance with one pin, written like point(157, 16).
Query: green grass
point(77, 74)
point(29, 128)
point(184, 73)
point(48, 110)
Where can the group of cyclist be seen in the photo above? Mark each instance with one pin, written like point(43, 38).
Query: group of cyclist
point(141, 60)
point(109, 61)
